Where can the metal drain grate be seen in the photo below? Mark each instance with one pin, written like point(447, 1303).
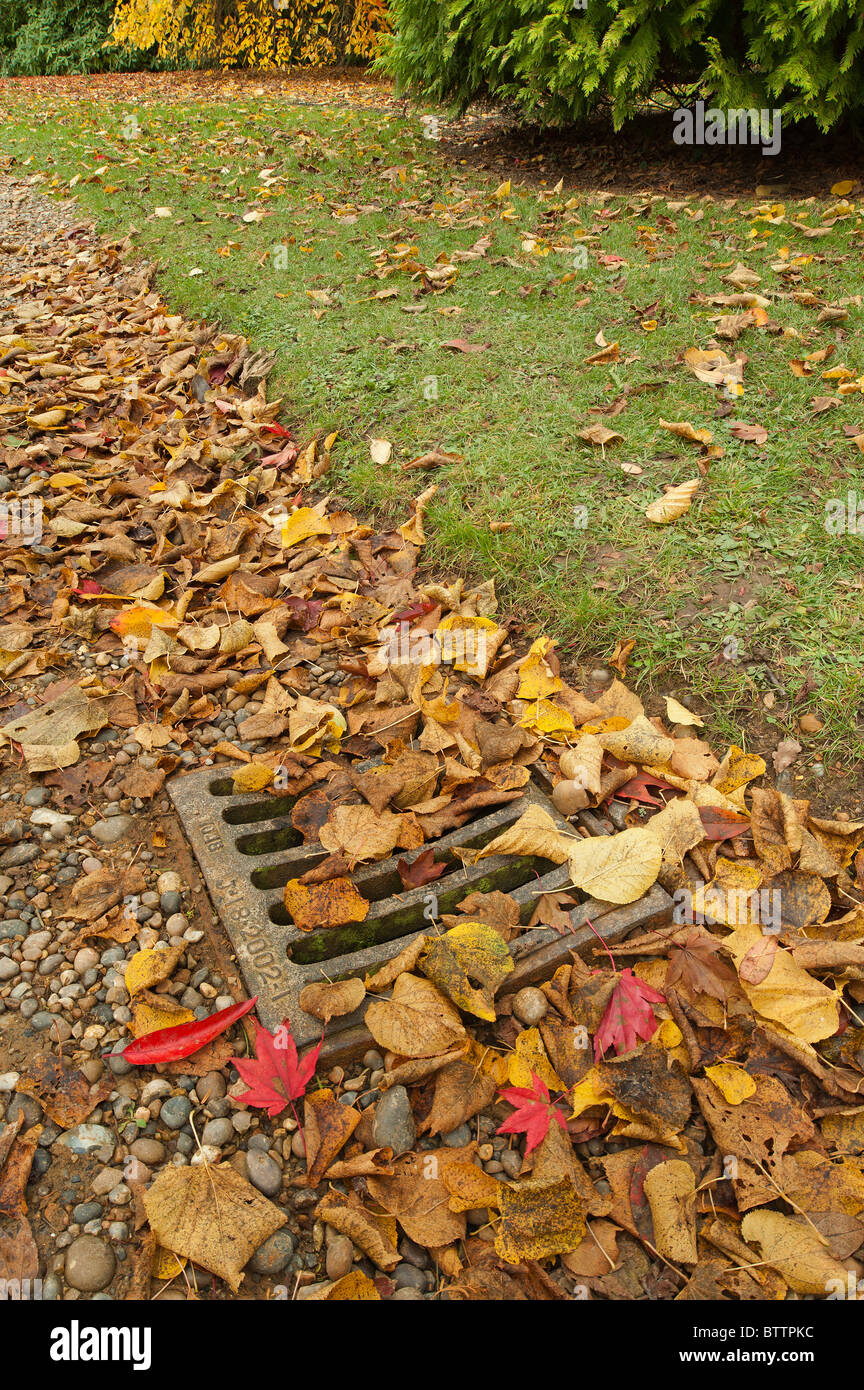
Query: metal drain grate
point(247, 849)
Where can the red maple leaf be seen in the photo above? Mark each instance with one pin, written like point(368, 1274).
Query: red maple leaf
point(637, 789)
point(628, 1016)
point(275, 1075)
point(532, 1114)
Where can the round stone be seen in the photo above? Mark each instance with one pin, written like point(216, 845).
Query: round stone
point(169, 882)
point(340, 1257)
point(264, 1172)
point(175, 1111)
point(90, 1264)
point(511, 1162)
point(218, 1132)
point(149, 1151)
point(273, 1256)
point(86, 1211)
point(530, 1005)
point(458, 1137)
point(169, 903)
point(407, 1276)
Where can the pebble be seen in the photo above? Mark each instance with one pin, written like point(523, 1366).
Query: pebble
point(86, 1211)
point(530, 1005)
point(170, 903)
point(149, 1151)
point(458, 1137)
point(18, 855)
point(175, 1111)
point(273, 1256)
point(108, 832)
point(218, 1132)
point(26, 1106)
point(264, 1172)
point(393, 1126)
point(511, 1162)
point(340, 1257)
point(86, 1139)
point(9, 1080)
point(407, 1276)
point(90, 1264)
point(405, 1295)
point(8, 969)
point(176, 924)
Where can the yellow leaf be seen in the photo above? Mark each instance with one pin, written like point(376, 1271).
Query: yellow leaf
point(734, 1083)
point(673, 503)
point(839, 190)
point(791, 1246)
point(149, 967)
point(530, 1056)
point(253, 777)
point(616, 868)
point(302, 524)
point(536, 677)
point(790, 996)
point(470, 951)
point(63, 480)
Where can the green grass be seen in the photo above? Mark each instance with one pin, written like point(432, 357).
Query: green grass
point(752, 560)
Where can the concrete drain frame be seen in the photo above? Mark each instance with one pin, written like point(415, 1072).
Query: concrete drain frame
point(247, 850)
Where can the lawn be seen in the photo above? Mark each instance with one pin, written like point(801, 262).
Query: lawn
point(326, 233)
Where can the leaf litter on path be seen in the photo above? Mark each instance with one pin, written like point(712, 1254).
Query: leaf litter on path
point(172, 539)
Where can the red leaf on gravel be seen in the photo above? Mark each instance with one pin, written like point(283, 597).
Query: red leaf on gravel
point(275, 1075)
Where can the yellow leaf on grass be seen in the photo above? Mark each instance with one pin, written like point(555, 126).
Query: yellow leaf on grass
point(616, 868)
point(679, 714)
point(673, 503)
point(734, 1083)
point(684, 430)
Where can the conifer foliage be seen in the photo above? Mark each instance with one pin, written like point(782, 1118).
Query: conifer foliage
point(557, 61)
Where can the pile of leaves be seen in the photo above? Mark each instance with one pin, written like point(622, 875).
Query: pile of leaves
point(717, 1057)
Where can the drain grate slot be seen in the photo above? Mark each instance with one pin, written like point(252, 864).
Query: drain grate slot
point(248, 850)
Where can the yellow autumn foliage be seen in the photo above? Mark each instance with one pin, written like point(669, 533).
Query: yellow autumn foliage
point(253, 33)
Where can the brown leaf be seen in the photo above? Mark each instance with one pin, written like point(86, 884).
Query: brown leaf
point(416, 1022)
point(326, 1001)
point(63, 1092)
point(212, 1216)
point(327, 1127)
